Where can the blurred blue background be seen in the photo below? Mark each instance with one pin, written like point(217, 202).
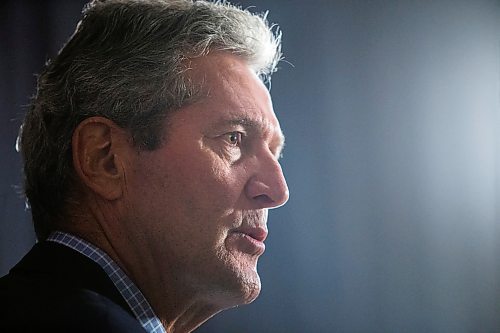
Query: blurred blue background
point(392, 116)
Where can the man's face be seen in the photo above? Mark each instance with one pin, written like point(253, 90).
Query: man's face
point(197, 206)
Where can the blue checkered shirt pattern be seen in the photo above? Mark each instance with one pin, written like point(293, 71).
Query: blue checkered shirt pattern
point(132, 295)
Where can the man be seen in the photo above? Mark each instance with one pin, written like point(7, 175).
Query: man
point(151, 158)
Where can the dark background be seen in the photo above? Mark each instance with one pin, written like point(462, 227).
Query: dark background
point(391, 112)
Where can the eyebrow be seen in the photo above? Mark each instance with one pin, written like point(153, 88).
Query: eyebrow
point(256, 126)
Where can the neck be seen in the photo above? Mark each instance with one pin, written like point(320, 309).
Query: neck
point(186, 317)
point(178, 308)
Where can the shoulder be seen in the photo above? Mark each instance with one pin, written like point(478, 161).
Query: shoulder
point(56, 289)
point(76, 310)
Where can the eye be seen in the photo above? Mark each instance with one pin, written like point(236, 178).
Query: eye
point(234, 138)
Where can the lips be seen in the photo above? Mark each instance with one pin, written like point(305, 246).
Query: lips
point(257, 233)
point(248, 240)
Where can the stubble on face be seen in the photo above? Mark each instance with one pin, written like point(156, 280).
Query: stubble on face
point(189, 198)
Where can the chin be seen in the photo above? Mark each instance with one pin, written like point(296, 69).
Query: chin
point(240, 288)
point(251, 291)
point(248, 287)
point(233, 280)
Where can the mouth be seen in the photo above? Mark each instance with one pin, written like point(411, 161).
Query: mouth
point(249, 239)
point(257, 233)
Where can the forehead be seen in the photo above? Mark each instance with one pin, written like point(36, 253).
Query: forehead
point(232, 94)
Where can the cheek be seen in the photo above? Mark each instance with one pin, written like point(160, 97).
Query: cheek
point(211, 180)
point(191, 188)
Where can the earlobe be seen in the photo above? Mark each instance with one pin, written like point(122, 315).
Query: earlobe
point(95, 144)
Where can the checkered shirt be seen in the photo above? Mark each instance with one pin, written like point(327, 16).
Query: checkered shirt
point(132, 295)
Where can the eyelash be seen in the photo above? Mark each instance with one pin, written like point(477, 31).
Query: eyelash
point(239, 136)
point(231, 136)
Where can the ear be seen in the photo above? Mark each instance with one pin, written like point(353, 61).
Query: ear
point(97, 143)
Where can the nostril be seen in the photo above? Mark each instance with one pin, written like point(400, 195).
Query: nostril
point(263, 199)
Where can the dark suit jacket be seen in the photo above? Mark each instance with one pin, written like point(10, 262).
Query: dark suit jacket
point(56, 289)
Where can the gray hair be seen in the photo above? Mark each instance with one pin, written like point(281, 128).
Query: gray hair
point(126, 61)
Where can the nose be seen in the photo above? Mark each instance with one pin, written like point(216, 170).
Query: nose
point(267, 187)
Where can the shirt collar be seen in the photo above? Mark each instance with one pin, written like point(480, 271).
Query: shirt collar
point(129, 291)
